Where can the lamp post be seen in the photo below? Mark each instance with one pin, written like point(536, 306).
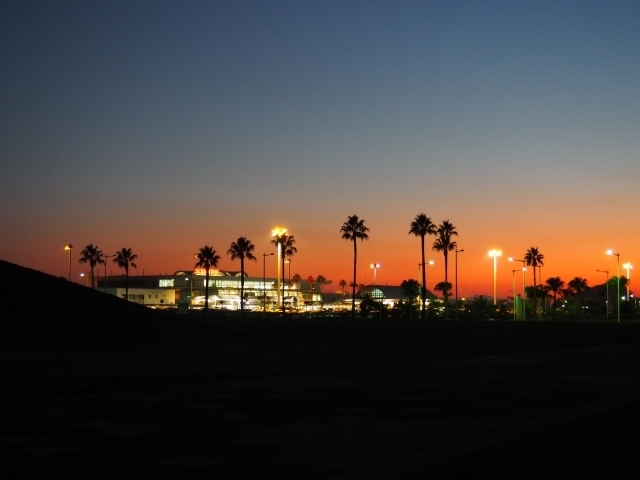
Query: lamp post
point(457, 252)
point(375, 267)
point(513, 281)
point(627, 266)
point(495, 254)
point(607, 300)
point(430, 262)
point(264, 282)
point(277, 233)
point(105, 271)
point(68, 248)
point(610, 252)
point(524, 296)
point(190, 290)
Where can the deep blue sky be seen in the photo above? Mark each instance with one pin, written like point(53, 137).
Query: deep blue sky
point(167, 125)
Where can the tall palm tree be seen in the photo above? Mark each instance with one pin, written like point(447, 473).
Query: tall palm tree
point(354, 229)
point(420, 227)
point(207, 259)
point(343, 285)
point(534, 258)
point(285, 243)
point(556, 285)
point(242, 248)
point(124, 258)
point(93, 256)
point(443, 244)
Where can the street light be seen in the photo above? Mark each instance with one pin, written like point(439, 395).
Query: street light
point(607, 300)
point(68, 248)
point(457, 252)
point(495, 254)
point(422, 298)
point(277, 233)
point(524, 296)
point(627, 266)
point(264, 282)
point(105, 271)
point(610, 252)
point(375, 267)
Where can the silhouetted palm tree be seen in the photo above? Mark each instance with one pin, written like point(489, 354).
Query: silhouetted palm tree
point(343, 285)
point(285, 243)
point(577, 286)
point(443, 287)
point(420, 227)
point(207, 259)
point(321, 281)
point(242, 248)
point(354, 229)
point(534, 259)
point(410, 290)
point(556, 285)
point(93, 256)
point(443, 244)
point(124, 258)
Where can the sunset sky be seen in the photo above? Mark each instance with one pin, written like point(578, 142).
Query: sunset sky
point(164, 126)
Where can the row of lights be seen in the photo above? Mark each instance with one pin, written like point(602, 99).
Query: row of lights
point(498, 253)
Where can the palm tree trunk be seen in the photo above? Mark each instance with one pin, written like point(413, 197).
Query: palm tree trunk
point(92, 277)
point(424, 281)
point(535, 303)
point(446, 283)
point(126, 284)
point(353, 290)
point(206, 293)
point(242, 287)
point(282, 256)
point(554, 306)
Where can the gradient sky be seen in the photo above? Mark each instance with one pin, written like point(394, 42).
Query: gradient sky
point(165, 126)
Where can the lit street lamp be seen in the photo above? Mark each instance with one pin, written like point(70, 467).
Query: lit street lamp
point(524, 296)
point(495, 254)
point(105, 271)
point(607, 300)
point(68, 248)
point(264, 282)
point(422, 299)
point(610, 252)
point(627, 266)
point(375, 267)
point(277, 233)
point(457, 252)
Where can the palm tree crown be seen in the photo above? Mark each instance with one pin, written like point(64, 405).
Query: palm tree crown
point(242, 248)
point(420, 227)
point(207, 259)
point(556, 285)
point(354, 229)
point(125, 259)
point(443, 244)
point(534, 259)
point(93, 256)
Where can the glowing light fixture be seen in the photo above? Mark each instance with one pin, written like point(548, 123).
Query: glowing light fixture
point(611, 252)
point(495, 254)
point(68, 248)
point(627, 266)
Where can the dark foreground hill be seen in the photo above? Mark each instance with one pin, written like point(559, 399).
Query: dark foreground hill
point(91, 380)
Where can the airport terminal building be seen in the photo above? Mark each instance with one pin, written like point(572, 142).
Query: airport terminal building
point(188, 287)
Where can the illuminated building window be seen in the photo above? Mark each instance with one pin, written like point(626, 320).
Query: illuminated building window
point(166, 282)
